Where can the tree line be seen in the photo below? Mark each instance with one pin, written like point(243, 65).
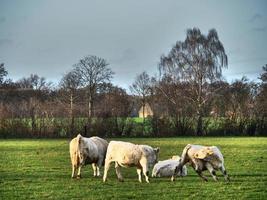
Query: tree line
point(188, 96)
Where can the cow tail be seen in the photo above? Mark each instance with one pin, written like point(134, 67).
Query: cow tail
point(182, 160)
point(79, 137)
point(184, 154)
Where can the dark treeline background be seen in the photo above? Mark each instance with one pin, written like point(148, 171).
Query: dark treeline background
point(187, 97)
point(39, 110)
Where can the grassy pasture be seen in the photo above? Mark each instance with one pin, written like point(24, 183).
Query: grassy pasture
point(40, 169)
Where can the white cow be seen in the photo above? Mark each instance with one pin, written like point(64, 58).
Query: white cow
point(87, 151)
point(166, 168)
point(202, 158)
point(126, 154)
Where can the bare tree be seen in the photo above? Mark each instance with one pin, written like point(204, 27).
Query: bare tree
point(34, 82)
point(261, 100)
point(37, 86)
point(198, 61)
point(3, 72)
point(263, 76)
point(70, 83)
point(92, 71)
point(142, 88)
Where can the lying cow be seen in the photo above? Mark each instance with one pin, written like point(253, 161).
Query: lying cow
point(166, 168)
point(126, 154)
point(202, 158)
point(85, 151)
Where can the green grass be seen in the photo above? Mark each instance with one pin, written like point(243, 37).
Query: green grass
point(40, 169)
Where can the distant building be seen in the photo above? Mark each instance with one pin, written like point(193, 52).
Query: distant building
point(147, 111)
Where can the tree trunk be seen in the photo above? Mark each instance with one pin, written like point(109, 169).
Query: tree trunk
point(89, 119)
point(71, 116)
point(143, 117)
point(33, 123)
point(33, 117)
point(199, 107)
point(199, 123)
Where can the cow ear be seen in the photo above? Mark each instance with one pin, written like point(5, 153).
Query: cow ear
point(156, 149)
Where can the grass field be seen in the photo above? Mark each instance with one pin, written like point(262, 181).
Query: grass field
point(40, 169)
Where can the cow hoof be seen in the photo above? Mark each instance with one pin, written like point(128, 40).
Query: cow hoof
point(121, 180)
point(79, 177)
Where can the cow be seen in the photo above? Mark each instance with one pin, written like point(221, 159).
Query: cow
point(126, 154)
point(202, 158)
point(166, 168)
point(85, 151)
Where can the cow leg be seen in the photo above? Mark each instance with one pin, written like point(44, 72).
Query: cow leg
point(94, 169)
point(107, 165)
point(153, 173)
point(98, 166)
point(202, 176)
point(175, 173)
point(146, 173)
point(139, 172)
point(212, 171)
point(118, 172)
point(198, 166)
point(223, 170)
point(73, 171)
point(97, 170)
point(143, 163)
point(79, 172)
point(178, 169)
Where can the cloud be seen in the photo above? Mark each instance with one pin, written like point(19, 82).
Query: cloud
point(260, 29)
point(5, 42)
point(2, 19)
point(128, 55)
point(255, 17)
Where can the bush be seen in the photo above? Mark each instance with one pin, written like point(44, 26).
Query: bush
point(132, 127)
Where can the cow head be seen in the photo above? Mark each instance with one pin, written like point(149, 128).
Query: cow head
point(156, 154)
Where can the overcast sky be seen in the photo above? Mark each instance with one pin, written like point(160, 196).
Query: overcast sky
point(47, 37)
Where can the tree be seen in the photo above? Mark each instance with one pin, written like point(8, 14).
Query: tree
point(240, 98)
point(92, 71)
point(261, 101)
point(70, 83)
point(3, 72)
point(142, 88)
point(113, 107)
point(34, 82)
point(198, 61)
point(37, 86)
point(263, 76)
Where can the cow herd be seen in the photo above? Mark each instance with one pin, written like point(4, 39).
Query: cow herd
point(99, 152)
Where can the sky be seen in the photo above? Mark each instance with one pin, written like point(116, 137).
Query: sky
point(46, 37)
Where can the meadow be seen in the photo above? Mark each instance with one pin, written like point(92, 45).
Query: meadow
point(41, 169)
